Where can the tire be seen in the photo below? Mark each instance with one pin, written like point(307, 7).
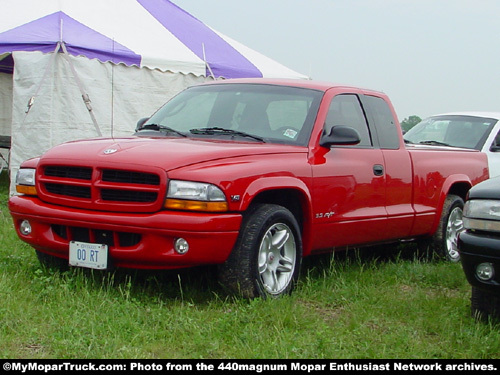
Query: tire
point(52, 262)
point(444, 241)
point(484, 305)
point(265, 261)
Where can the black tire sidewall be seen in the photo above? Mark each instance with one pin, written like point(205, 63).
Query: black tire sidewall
point(484, 305)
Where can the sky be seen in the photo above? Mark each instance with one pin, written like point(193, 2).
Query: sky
point(428, 56)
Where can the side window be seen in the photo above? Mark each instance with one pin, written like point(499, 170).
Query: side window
point(388, 134)
point(346, 110)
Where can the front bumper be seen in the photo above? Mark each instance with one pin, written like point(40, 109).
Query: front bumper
point(477, 248)
point(134, 240)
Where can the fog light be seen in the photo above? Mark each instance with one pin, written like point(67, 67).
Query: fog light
point(181, 246)
point(25, 228)
point(485, 271)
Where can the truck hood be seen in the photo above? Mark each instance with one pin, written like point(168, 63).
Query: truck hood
point(165, 153)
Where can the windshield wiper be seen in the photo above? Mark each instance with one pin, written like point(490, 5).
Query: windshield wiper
point(222, 131)
point(162, 128)
point(435, 143)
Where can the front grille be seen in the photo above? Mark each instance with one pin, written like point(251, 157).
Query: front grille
point(105, 189)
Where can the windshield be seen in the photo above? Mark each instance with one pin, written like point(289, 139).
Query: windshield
point(249, 112)
point(453, 130)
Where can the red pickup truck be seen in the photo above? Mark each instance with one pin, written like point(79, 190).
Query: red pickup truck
point(251, 175)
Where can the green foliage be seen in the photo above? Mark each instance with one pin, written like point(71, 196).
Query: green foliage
point(357, 304)
point(410, 122)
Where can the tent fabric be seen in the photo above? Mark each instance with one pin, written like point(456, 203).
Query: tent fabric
point(44, 33)
point(5, 103)
point(148, 33)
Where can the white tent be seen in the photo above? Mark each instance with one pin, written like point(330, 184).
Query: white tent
point(72, 69)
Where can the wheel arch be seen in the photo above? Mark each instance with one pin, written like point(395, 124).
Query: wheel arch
point(458, 186)
point(292, 194)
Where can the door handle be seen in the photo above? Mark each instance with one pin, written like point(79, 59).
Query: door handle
point(378, 170)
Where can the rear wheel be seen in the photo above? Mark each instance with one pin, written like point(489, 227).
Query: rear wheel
point(266, 259)
point(450, 225)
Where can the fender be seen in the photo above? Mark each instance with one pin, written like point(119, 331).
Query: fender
point(268, 184)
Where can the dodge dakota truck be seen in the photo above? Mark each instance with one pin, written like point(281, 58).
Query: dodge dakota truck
point(250, 175)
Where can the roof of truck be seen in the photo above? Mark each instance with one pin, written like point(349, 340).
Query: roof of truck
point(311, 84)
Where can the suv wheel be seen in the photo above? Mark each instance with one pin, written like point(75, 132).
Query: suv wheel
point(484, 305)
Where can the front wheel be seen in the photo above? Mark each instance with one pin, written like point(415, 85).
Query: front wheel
point(450, 225)
point(266, 259)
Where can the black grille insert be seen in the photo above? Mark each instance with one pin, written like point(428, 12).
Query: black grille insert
point(68, 190)
point(128, 196)
point(130, 177)
point(79, 173)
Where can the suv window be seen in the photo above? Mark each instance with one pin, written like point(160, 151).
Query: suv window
point(452, 130)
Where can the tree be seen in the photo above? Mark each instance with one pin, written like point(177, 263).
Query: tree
point(410, 122)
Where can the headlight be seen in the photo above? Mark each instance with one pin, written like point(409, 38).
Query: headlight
point(25, 181)
point(482, 209)
point(195, 196)
point(482, 214)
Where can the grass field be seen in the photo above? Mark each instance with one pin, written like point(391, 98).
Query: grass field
point(359, 304)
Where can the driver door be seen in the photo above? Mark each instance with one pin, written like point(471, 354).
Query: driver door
point(349, 183)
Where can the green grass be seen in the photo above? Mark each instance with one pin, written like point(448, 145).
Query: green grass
point(360, 304)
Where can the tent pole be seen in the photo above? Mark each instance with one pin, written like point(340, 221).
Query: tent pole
point(206, 62)
point(85, 96)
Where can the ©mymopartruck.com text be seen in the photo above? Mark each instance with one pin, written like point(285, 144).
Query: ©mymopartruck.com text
point(231, 366)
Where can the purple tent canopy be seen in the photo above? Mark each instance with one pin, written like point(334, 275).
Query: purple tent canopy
point(150, 33)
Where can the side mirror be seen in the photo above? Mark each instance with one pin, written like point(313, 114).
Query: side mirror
point(141, 122)
point(340, 136)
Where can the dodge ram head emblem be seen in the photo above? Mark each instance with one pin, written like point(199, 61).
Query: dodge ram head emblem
point(110, 151)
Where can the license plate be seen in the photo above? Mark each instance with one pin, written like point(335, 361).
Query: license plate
point(88, 255)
